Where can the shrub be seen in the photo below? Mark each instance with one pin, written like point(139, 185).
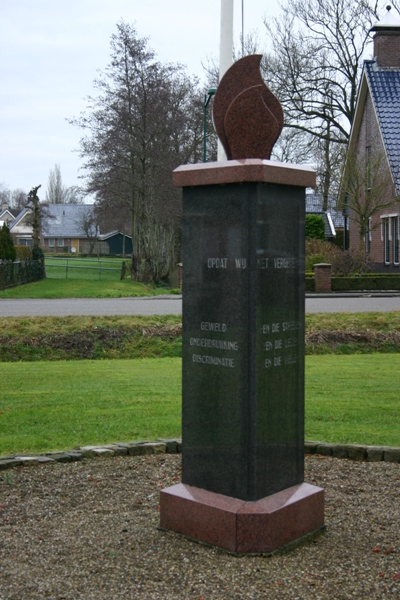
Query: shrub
point(7, 250)
point(23, 252)
point(344, 262)
point(324, 249)
point(37, 254)
point(314, 259)
point(351, 262)
point(315, 227)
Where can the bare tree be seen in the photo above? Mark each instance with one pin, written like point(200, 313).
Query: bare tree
point(55, 188)
point(367, 189)
point(5, 195)
point(12, 198)
point(314, 69)
point(58, 193)
point(144, 121)
point(18, 198)
point(87, 223)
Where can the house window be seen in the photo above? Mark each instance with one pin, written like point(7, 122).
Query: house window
point(396, 254)
point(386, 237)
point(60, 242)
point(52, 242)
point(25, 242)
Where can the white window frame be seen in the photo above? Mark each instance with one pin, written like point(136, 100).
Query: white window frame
point(386, 237)
point(396, 241)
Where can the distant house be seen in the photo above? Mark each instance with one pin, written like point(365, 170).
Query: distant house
point(7, 214)
point(70, 228)
point(67, 228)
point(376, 133)
point(73, 228)
point(333, 219)
point(21, 228)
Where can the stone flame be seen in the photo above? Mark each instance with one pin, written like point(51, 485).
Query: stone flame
point(248, 118)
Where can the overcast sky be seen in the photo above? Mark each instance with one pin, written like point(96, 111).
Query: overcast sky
point(51, 51)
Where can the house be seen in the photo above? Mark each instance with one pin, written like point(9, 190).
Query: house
point(333, 218)
point(73, 228)
point(7, 214)
point(21, 228)
point(375, 144)
point(68, 228)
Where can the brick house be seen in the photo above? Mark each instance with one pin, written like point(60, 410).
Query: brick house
point(375, 140)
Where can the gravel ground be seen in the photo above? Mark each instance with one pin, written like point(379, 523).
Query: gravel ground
point(89, 530)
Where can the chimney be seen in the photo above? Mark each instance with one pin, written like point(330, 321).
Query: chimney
point(387, 40)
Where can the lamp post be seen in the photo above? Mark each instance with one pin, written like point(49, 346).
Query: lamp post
point(207, 98)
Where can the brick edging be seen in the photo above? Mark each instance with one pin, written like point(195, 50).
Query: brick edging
point(174, 446)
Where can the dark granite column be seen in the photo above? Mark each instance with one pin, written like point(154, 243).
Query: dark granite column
point(243, 329)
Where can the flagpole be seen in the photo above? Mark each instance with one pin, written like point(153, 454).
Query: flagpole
point(225, 49)
point(242, 27)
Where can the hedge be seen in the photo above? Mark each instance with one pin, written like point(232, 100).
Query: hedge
point(367, 281)
point(20, 272)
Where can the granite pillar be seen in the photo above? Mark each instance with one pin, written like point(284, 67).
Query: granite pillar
point(243, 353)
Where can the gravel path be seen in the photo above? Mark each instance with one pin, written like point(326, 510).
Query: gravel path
point(89, 530)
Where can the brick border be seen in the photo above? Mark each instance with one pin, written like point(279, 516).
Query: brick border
point(174, 446)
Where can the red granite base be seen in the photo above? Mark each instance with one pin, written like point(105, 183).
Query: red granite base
point(243, 527)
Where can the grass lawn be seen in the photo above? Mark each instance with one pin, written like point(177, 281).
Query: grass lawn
point(59, 405)
point(82, 288)
point(62, 404)
point(84, 268)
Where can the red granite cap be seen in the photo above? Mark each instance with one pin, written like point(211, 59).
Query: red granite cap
point(239, 171)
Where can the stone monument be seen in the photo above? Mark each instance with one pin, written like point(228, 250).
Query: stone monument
point(243, 335)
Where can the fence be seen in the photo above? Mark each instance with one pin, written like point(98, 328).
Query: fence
point(83, 268)
point(17, 272)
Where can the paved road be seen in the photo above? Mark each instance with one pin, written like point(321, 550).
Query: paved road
point(172, 305)
point(158, 305)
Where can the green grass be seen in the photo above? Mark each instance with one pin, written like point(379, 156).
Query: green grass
point(59, 405)
point(82, 288)
point(49, 406)
point(353, 399)
point(84, 268)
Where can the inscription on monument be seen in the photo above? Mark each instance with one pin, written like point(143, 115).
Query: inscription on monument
point(281, 343)
point(262, 263)
point(214, 344)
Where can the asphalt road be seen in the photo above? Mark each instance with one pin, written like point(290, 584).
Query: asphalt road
point(172, 305)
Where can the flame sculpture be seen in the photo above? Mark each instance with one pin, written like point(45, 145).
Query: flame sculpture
point(248, 118)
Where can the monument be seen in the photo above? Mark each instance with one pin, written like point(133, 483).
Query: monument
point(243, 483)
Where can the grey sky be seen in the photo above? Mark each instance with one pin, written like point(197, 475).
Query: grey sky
point(51, 51)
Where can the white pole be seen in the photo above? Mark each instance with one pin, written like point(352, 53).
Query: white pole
point(225, 49)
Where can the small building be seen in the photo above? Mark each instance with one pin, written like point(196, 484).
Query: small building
point(118, 243)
